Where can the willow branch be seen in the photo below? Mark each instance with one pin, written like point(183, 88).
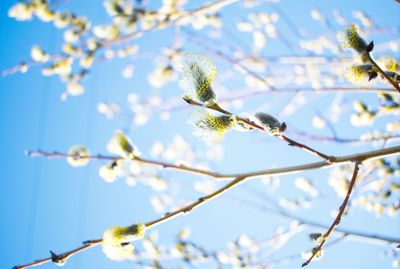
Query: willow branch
point(58, 259)
point(339, 160)
point(290, 141)
point(238, 179)
point(294, 143)
point(169, 216)
point(197, 203)
point(162, 164)
point(383, 73)
point(336, 222)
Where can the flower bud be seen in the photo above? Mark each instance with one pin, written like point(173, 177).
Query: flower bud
point(270, 123)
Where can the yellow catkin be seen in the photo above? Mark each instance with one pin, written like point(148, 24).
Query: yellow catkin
point(199, 73)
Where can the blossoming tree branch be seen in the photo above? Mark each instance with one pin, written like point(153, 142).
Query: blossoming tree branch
point(363, 179)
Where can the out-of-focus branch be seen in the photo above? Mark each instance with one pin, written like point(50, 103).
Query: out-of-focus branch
point(57, 3)
point(293, 257)
point(212, 7)
point(232, 61)
point(375, 239)
point(324, 138)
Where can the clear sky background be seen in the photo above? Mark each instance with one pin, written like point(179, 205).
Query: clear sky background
point(49, 205)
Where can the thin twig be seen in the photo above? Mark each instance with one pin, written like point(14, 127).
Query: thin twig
point(276, 261)
point(306, 148)
point(375, 239)
point(57, 3)
point(290, 141)
point(62, 257)
point(235, 62)
point(317, 249)
point(195, 204)
point(169, 216)
point(185, 168)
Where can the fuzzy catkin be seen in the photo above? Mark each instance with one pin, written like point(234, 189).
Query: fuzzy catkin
point(199, 73)
point(211, 129)
point(269, 122)
point(349, 38)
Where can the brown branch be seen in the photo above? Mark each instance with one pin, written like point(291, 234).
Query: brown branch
point(61, 257)
point(294, 143)
point(351, 234)
point(169, 216)
point(238, 179)
point(277, 261)
point(336, 222)
point(290, 141)
point(383, 73)
point(197, 203)
point(185, 168)
point(339, 160)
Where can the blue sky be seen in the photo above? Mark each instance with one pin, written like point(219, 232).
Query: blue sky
point(49, 205)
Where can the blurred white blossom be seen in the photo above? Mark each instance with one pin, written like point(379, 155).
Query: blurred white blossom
point(109, 110)
point(21, 12)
